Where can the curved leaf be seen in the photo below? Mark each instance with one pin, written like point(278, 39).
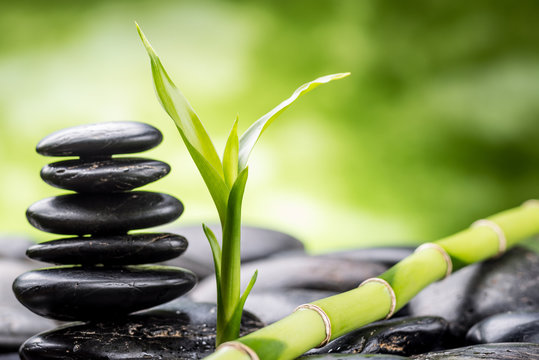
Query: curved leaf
point(179, 109)
point(250, 137)
point(230, 156)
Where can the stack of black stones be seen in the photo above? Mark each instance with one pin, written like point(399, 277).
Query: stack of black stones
point(101, 278)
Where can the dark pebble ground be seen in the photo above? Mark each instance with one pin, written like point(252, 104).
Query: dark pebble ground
point(486, 311)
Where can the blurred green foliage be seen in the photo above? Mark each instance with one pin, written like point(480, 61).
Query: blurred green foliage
point(437, 126)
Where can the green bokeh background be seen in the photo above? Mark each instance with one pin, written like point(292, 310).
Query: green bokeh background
point(437, 126)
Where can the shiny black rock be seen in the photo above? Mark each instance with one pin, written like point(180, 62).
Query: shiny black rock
point(84, 293)
point(103, 176)
point(180, 330)
point(496, 351)
point(506, 327)
point(82, 214)
point(101, 139)
point(400, 336)
point(112, 250)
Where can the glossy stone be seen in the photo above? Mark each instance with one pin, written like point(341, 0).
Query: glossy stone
point(117, 213)
point(117, 250)
point(507, 327)
point(298, 272)
point(78, 293)
point(352, 357)
point(403, 336)
point(103, 176)
point(17, 323)
point(501, 351)
point(101, 139)
point(178, 330)
point(256, 243)
point(508, 283)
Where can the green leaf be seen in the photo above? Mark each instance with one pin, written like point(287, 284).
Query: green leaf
point(251, 136)
point(235, 322)
point(179, 109)
point(231, 261)
point(215, 250)
point(230, 156)
point(247, 291)
point(215, 183)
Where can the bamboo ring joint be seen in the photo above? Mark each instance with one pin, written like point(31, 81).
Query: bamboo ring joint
point(241, 347)
point(502, 241)
point(531, 202)
point(325, 319)
point(441, 250)
point(389, 290)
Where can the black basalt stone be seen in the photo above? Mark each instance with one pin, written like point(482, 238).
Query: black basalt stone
point(352, 357)
point(178, 330)
point(115, 250)
point(103, 176)
point(499, 351)
point(79, 293)
point(101, 139)
point(402, 336)
point(117, 213)
point(508, 283)
point(507, 327)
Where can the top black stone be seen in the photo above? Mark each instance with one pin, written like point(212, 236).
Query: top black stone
point(101, 139)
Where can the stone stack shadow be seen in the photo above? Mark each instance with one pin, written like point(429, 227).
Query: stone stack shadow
point(103, 273)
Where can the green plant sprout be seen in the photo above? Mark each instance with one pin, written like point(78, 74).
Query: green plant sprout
point(225, 181)
point(379, 298)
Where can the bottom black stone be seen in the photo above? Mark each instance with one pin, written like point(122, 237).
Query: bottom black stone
point(178, 330)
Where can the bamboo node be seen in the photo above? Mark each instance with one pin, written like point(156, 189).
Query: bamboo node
point(241, 347)
point(502, 241)
point(325, 319)
point(389, 290)
point(441, 250)
point(531, 202)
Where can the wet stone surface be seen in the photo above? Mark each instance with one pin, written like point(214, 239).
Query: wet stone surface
point(178, 330)
point(116, 250)
point(500, 351)
point(17, 323)
point(509, 283)
point(400, 336)
point(352, 357)
point(83, 214)
point(101, 139)
point(507, 327)
point(105, 176)
point(79, 293)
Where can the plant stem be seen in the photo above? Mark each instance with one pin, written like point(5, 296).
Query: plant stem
point(227, 328)
point(304, 329)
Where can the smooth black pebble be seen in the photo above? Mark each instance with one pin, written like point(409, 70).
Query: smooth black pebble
point(508, 283)
point(111, 250)
point(507, 327)
point(101, 139)
point(83, 214)
point(497, 351)
point(400, 336)
point(79, 293)
point(176, 330)
point(103, 176)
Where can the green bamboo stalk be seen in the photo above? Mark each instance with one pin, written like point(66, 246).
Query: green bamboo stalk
point(304, 329)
